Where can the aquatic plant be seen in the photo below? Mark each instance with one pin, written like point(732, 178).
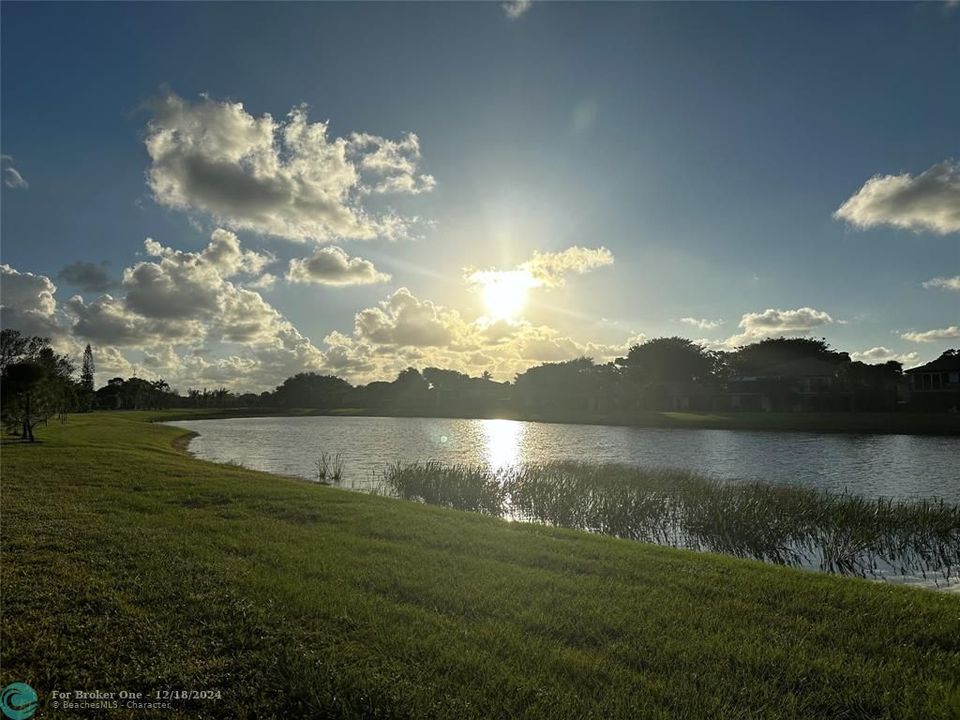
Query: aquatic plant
point(782, 524)
point(329, 468)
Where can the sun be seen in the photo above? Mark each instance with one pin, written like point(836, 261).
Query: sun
point(505, 293)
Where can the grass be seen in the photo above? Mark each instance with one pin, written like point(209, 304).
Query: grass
point(129, 565)
point(784, 524)
point(868, 423)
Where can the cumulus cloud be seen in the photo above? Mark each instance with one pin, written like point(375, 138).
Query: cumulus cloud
point(27, 303)
point(775, 323)
point(86, 276)
point(287, 178)
point(939, 334)
point(944, 283)
point(11, 176)
point(702, 323)
point(332, 266)
point(881, 354)
point(929, 201)
point(404, 320)
point(516, 8)
point(185, 316)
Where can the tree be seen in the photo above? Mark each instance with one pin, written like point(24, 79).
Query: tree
point(22, 408)
point(310, 390)
point(568, 386)
point(669, 359)
point(758, 358)
point(36, 382)
point(87, 373)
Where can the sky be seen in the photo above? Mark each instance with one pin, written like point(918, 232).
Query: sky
point(227, 194)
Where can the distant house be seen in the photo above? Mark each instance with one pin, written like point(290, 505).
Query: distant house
point(936, 385)
point(805, 384)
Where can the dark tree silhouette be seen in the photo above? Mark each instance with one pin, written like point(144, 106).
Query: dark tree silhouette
point(310, 390)
point(36, 383)
point(87, 374)
point(670, 359)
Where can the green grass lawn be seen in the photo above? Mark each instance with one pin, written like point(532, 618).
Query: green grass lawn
point(129, 565)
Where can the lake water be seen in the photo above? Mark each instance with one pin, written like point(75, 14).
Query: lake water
point(897, 466)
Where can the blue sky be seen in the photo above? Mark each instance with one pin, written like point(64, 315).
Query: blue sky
point(706, 147)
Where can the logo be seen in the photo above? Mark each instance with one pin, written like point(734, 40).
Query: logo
point(18, 701)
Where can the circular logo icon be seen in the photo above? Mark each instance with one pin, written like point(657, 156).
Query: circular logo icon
point(18, 701)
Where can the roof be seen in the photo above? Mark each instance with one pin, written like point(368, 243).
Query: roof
point(802, 367)
point(950, 360)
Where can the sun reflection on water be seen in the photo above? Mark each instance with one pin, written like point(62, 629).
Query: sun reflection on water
point(503, 440)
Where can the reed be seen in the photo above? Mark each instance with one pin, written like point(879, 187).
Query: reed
point(783, 524)
point(329, 468)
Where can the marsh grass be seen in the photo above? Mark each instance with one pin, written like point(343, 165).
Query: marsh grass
point(329, 468)
point(782, 524)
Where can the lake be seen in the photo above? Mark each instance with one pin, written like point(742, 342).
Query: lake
point(896, 466)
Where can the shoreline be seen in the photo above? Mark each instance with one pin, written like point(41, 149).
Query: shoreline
point(942, 425)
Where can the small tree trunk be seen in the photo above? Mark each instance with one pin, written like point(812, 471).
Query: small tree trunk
point(27, 427)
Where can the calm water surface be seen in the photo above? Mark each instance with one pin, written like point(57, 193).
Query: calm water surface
point(898, 466)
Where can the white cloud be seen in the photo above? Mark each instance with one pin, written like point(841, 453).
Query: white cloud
point(546, 269)
point(947, 333)
point(27, 303)
point(944, 283)
point(183, 311)
point(550, 268)
point(332, 266)
point(404, 320)
point(775, 323)
point(929, 201)
point(516, 8)
point(264, 282)
point(702, 323)
point(11, 176)
point(285, 178)
point(881, 354)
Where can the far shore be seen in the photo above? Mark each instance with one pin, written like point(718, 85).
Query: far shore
point(838, 422)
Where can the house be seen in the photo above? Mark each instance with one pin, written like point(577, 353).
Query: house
point(936, 385)
point(805, 384)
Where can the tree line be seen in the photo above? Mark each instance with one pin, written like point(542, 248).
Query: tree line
point(668, 373)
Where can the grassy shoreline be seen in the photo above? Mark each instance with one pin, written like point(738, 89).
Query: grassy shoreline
point(129, 565)
point(855, 423)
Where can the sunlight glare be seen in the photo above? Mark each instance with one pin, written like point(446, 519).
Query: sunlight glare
point(502, 442)
point(505, 293)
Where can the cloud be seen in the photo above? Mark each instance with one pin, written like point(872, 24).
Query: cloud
point(286, 178)
point(881, 355)
point(405, 330)
point(546, 269)
point(403, 320)
point(183, 284)
point(929, 201)
point(186, 313)
point(947, 333)
point(27, 303)
point(550, 268)
point(11, 176)
point(703, 323)
point(86, 276)
point(516, 8)
point(775, 323)
point(332, 266)
point(264, 282)
point(944, 283)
